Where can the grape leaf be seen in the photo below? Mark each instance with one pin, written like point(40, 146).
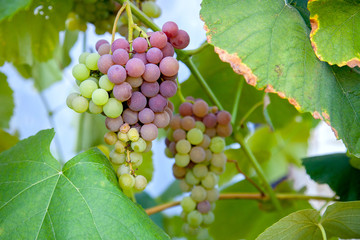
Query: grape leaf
point(6, 100)
point(39, 200)
point(46, 73)
point(6, 140)
point(269, 44)
point(336, 171)
point(70, 39)
point(335, 31)
point(341, 219)
point(9, 8)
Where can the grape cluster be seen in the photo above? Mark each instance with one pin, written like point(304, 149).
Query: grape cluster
point(196, 140)
point(130, 85)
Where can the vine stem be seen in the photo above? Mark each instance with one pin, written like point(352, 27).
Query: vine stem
point(179, 92)
point(251, 110)
point(130, 23)
point(197, 50)
point(237, 102)
point(323, 233)
point(244, 196)
point(115, 22)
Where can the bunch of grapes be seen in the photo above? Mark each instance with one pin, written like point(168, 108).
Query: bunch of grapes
point(196, 140)
point(130, 84)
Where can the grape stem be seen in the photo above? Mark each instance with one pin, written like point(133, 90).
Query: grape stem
point(115, 22)
point(245, 196)
point(180, 94)
point(246, 177)
point(129, 162)
point(248, 113)
point(130, 23)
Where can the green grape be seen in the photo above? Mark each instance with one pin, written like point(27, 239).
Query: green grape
point(136, 159)
point(95, 109)
point(94, 79)
point(217, 144)
point(110, 138)
point(148, 146)
point(133, 134)
point(70, 98)
point(91, 61)
point(83, 56)
point(209, 181)
point(200, 170)
point(105, 83)
point(208, 218)
point(113, 108)
point(191, 179)
point(120, 146)
point(139, 145)
point(80, 72)
point(168, 153)
point(195, 136)
point(182, 160)
point(71, 24)
point(203, 234)
point(218, 160)
point(87, 87)
point(183, 215)
point(190, 230)
point(217, 170)
point(188, 204)
point(183, 146)
point(212, 195)
point(169, 134)
point(123, 137)
point(194, 218)
point(198, 193)
point(151, 9)
point(126, 181)
point(80, 104)
point(140, 183)
point(100, 97)
point(117, 158)
point(122, 169)
point(200, 125)
point(184, 187)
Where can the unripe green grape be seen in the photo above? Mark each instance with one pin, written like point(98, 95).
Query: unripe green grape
point(94, 79)
point(209, 181)
point(100, 96)
point(87, 87)
point(208, 156)
point(105, 83)
point(208, 218)
point(133, 134)
point(126, 181)
point(182, 160)
point(194, 218)
point(217, 170)
point(123, 169)
point(194, 136)
point(184, 187)
point(190, 230)
point(151, 9)
point(217, 144)
point(218, 160)
point(117, 158)
point(71, 24)
point(200, 125)
point(120, 146)
point(70, 98)
point(191, 179)
point(110, 138)
point(148, 146)
point(200, 170)
point(139, 145)
point(80, 104)
point(169, 134)
point(203, 234)
point(183, 215)
point(140, 183)
point(212, 195)
point(113, 108)
point(123, 137)
point(95, 109)
point(136, 159)
point(183, 146)
point(83, 56)
point(188, 204)
point(198, 193)
point(91, 61)
point(80, 72)
point(168, 153)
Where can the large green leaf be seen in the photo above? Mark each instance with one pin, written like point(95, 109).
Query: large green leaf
point(37, 32)
point(269, 44)
point(339, 220)
point(9, 8)
point(7, 102)
point(336, 171)
point(335, 31)
point(39, 200)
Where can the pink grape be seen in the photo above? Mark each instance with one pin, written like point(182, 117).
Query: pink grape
point(140, 45)
point(157, 103)
point(210, 120)
point(141, 56)
point(204, 206)
point(137, 102)
point(120, 43)
point(158, 39)
point(120, 56)
point(104, 49)
point(99, 43)
point(104, 63)
point(149, 132)
point(146, 115)
point(135, 67)
point(152, 72)
point(122, 92)
point(154, 55)
point(150, 89)
point(168, 50)
point(170, 29)
point(168, 88)
point(171, 78)
point(185, 109)
point(134, 82)
point(113, 124)
point(162, 119)
point(223, 117)
point(169, 66)
point(117, 74)
point(130, 116)
point(181, 40)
